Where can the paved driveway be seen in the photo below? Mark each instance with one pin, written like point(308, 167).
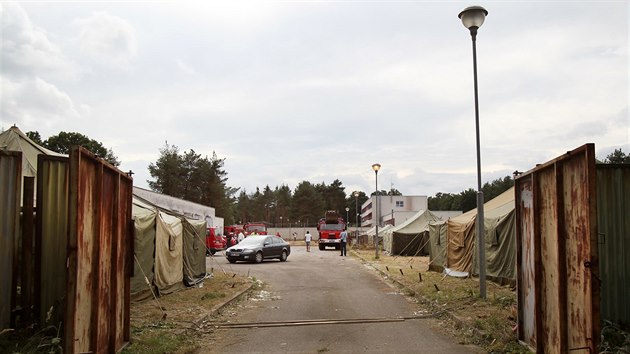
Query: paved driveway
point(355, 311)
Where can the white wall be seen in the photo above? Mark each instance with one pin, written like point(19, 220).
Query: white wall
point(387, 204)
point(189, 209)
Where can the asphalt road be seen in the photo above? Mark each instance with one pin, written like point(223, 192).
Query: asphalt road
point(322, 285)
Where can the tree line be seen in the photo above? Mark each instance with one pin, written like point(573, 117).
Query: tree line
point(202, 179)
point(64, 141)
point(192, 177)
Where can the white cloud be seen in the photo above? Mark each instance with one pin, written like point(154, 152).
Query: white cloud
point(107, 39)
point(186, 68)
point(329, 87)
point(37, 105)
point(26, 48)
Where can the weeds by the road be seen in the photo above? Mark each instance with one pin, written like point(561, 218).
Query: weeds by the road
point(488, 323)
point(614, 339)
point(45, 340)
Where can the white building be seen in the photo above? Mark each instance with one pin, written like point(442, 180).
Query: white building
point(189, 209)
point(393, 209)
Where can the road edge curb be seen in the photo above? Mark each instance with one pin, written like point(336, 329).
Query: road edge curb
point(216, 309)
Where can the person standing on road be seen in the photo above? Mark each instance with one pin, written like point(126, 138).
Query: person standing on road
point(308, 238)
point(344, 238)
point(241, 237)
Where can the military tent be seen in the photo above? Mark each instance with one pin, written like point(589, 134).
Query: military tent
point(169, 256)
point(14, 140)
point(500, 241)
point(461, 242)
point(169, 248)
point(372, 232)
point(194, 251)
point(410, 238)
point(459, 254)
point(437, 246)
point(143, 215)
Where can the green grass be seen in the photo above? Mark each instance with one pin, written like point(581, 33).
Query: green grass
point(46, 340)
point(211, 296)
point(158, 341)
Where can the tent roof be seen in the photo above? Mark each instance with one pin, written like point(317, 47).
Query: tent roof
point(500, 205)
point(416, 224)
point(141, 208)
point(372, 231)
point(13, 139)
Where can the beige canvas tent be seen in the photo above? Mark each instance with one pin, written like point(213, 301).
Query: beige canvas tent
point(453, 243)
point(169, 256)
point(372, 232)
point(170, 250)
point(13, 139)
point(410, 238)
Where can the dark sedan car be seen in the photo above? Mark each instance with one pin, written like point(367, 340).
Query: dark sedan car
point(258, 247)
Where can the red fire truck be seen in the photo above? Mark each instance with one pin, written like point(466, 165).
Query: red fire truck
point(214, 242)
point(259, 228)
point(234, 230)
point(329, 228)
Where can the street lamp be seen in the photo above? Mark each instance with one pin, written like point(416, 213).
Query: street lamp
point(281, 222)
point(347, 210)
point(376, 167)
point(356, 218)
point(472, 17)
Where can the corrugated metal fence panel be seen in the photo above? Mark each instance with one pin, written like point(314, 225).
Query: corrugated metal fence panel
point(557, 254)
point(99, 248)
point(613, 208)
point(52, 235)
point(10, 187)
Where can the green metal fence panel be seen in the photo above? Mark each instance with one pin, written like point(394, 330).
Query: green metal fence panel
point(52, 236)
point(613, 223)
point(10, 190)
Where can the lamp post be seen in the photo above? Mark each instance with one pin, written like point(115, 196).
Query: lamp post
point(347, 210)
point(281, 222)
point(356, 218)
point(376, 167)
point(472, 17)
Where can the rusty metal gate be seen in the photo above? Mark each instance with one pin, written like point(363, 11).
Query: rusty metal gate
point(99, 254)
point(557, 257)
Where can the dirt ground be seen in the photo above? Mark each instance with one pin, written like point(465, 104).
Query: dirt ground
point(165, 325)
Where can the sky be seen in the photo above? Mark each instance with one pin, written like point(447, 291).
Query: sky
point(292, 91)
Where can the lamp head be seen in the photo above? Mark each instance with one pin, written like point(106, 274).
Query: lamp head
point(376, 167)
point(356, 194)
point(473, 16)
